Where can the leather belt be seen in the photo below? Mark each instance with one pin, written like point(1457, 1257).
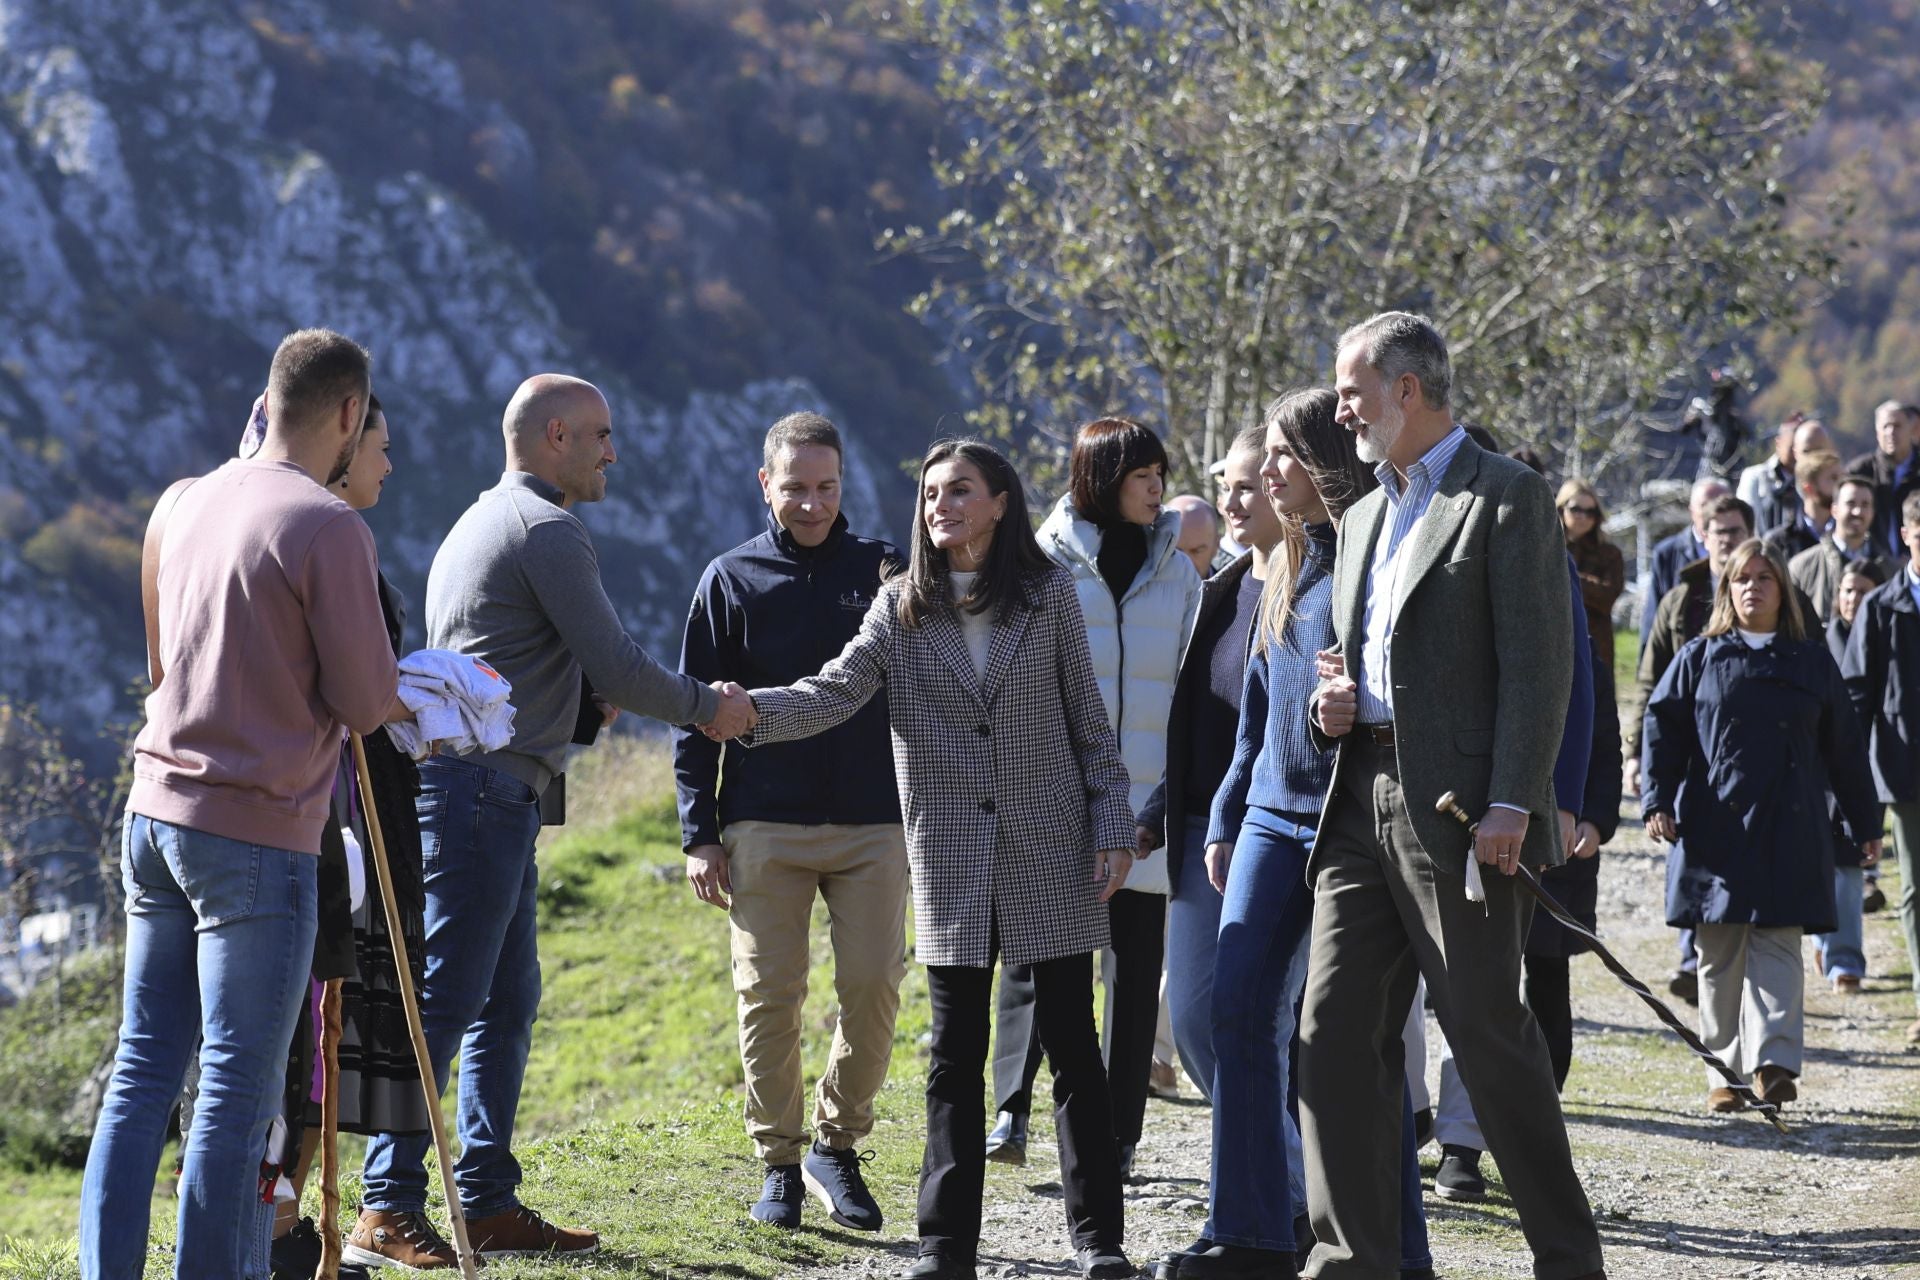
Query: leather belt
point(1381, 735)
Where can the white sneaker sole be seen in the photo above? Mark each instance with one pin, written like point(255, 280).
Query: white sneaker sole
point(376, 1261)
point(820, 1193)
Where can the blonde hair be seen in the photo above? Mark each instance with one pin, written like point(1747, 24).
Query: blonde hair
point(1724, 619)
point(1571, 489)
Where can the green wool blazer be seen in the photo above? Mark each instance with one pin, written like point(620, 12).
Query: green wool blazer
point(1482, 649)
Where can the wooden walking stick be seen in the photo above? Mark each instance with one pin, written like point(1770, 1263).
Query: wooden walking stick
point(330, 1132)
point(1446, 804)
point(411, 1003)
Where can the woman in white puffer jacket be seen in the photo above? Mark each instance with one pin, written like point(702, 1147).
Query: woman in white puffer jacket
point(1139, 595)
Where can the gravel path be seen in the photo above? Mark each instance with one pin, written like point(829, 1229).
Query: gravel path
point(1678, 1193)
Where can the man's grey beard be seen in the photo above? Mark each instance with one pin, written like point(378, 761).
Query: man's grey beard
point(1378, 442)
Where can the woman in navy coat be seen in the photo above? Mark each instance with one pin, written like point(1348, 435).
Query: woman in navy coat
point(1744, 736)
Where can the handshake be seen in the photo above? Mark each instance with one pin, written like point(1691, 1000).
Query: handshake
point(737, 714)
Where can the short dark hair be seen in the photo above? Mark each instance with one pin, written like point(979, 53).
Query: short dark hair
point(1394, 343)
point(797, 430)
point(313, 371)
point(1727, 502)
point(1858, 482)
point(1105, 452)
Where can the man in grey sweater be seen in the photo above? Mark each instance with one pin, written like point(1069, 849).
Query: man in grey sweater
point(517, 585)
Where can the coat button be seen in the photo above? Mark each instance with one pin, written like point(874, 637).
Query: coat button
point(983, 729)
point(986, 806)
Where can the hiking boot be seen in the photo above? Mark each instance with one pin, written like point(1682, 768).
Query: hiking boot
point(296, 1255)
point(834, 1177)
point(388, 1238)
point(1459, 1175)
point(1775, 1085)
point(521, 1232)
point(1723, 1100)
point(1685, 983)
point(1102, 1262)
point(781, 1196)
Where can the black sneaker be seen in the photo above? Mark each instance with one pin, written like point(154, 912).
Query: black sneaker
point(296, 1256)
point(834, 1176)
point(1459, 1176)
point(780, 1197)
point(1102, 1262)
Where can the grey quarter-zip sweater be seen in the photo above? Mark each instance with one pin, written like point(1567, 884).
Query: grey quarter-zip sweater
point(517, 585)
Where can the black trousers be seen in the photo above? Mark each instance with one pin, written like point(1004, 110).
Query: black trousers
point(1549, 995)
point(954, 1168)
point(1139, 925)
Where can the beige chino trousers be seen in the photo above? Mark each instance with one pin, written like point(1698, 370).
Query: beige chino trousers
point(776, 869)
point(1753, 987)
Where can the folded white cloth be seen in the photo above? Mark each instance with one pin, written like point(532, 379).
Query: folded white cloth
point(459, 704)
point(356, 870)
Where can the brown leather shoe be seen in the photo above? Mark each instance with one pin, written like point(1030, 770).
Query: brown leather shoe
point(521, 1232)
point(386, 1239)
point(1724, 1099)
point(1847, 984)
point(1776, 1085)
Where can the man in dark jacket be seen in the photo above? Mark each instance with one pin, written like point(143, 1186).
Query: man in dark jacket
point(1817, 570)
point(1882, 670)
point(779, 824)
point(1672, 554)
point(1894, 469)
point(1817, 475)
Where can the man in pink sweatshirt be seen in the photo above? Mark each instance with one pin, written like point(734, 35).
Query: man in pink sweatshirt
point(270, 643)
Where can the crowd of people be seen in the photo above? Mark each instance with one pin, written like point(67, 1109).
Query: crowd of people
point(1104, 736)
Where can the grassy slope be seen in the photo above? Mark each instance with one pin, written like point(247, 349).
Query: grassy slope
point(632, 1093)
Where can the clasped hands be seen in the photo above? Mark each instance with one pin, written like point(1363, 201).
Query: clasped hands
point(737, 714)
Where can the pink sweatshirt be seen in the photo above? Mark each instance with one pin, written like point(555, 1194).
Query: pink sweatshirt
point(271, 639)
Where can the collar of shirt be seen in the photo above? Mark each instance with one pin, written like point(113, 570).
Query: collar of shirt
point(1866, 549)
point(1405, 505)
point(533, 484)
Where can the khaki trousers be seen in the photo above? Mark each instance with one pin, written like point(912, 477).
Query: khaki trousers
point(1384, 916)
point(1752, 997)
point(776, 869)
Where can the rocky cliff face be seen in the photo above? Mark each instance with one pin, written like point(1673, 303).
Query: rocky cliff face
point(160, 230)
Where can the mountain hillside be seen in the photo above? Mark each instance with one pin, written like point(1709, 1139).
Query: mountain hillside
point(675, 200)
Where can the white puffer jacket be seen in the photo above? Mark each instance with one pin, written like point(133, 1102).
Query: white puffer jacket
point(1137, 645)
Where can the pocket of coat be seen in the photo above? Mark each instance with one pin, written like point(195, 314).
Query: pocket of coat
point(1474, 742)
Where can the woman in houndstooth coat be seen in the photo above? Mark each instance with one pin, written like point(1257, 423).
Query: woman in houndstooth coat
point(1018, 826)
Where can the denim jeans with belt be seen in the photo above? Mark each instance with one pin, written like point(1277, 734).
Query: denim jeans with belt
point(482, 987)
point(219, 944)
point(1260, 969)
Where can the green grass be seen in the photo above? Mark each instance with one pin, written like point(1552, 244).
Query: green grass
point(631, 1113)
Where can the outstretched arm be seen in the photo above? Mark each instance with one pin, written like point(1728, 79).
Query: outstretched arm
point(845, 685)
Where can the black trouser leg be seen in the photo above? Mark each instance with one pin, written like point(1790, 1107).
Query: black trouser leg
point(1082, 1108)
point(1139, 947)
point(953, 1171)
point(1016, 1044)
point(1549, 995)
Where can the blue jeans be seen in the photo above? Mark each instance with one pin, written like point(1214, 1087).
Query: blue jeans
point(482, 986)
point(219, 944)
point(1845, 949)
point(1193, 930)
point(1260, 969)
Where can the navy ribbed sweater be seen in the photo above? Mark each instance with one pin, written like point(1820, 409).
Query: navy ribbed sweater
point(1275, 764)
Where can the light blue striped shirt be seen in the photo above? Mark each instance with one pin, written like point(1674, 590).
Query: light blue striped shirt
point(1405, 507)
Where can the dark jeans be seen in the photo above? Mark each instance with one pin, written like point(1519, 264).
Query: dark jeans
point(1193, 929)
point(1139, 922)
point(482, 988)
point(954, 1168)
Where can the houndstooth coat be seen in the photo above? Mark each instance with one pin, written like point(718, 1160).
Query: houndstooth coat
point(1007, 785)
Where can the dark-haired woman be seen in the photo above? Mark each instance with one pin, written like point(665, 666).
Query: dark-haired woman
point(1139, 595)
point(1258, 837)
point(1603, 571)
point(1018, 828)
point(1745, 735)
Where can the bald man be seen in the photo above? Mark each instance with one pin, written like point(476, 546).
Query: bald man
point(517, 585)
point(1199, 539)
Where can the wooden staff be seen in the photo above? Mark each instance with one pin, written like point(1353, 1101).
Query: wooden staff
point(330, 1133)
point(1446, 804)
point(411, 1003)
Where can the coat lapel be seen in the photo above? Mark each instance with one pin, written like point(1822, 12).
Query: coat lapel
point(1358, 533)
point(942, 629)
point(1433, 533)
point(1009, 629)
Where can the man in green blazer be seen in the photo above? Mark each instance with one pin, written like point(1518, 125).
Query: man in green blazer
point(1451, 671)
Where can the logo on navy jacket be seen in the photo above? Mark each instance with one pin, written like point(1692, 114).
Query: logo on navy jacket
point(855, 601)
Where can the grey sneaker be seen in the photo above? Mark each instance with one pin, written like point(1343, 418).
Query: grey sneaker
point(834, 1178)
